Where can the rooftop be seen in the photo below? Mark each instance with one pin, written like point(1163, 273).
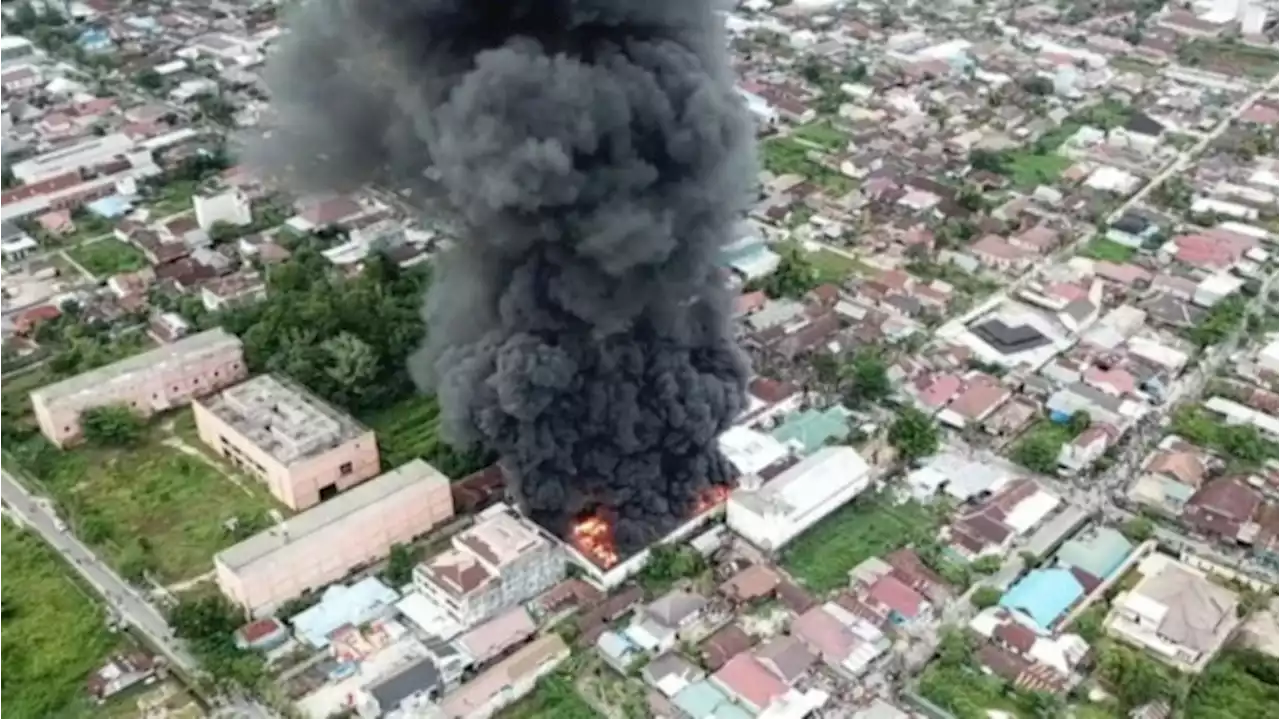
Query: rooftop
point(1044, 595)
point(156, 361)
point(283, 419)
point(268, 542)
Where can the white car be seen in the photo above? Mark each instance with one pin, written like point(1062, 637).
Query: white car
point(60, 525)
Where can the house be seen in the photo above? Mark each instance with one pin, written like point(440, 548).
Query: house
point(670, 673)
point(745, 679)
point(1140, 134)
point(1132, 230)
point(1101, 407)
point(998, 253)
point(896, 599)
point(1175, 613)
point(1224, 508)
point(120, 673)
point(847, 643)
point(755, 582)
point(618, 651)
point(991, 527)
point(787, 658)
point(725, 644)
point(1088, 447)
point(243, 287)
point(907, 567)
point(1099, 552)
point(262, 634)
point(981, 395)
point(1043, 596)
point(667, 620)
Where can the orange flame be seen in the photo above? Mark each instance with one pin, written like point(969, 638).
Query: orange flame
point(712, 498)
point(594, 536)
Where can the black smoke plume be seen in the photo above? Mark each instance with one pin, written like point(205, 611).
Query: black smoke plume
point(595, 159)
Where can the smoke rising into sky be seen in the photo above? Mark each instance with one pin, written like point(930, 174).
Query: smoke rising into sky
point(596, 158)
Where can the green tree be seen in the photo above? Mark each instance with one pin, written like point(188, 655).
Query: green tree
point(1038, 451)
point(866, 378)
point(400, 563)
point(7, 179)
point(1079, 422)
point(913, 434)
point(794, 276)
point(149, 80)
point(989, 564)
point(1037, 85)
point(1138, 529)
point(1132, 677)
point(221, 232)
point(1088, 624)
point(112, 425)
point(986, 160)
point(352, 364)
point(984, 597)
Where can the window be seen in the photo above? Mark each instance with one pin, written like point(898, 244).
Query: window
point(345, 469)
point(327, 492)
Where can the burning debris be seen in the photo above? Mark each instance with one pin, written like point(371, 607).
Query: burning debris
point(592, 531)
point(595, 158)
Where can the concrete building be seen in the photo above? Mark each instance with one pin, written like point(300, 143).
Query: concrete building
point(501, 561)
point(231, 207)
point(772, 513)
point(328, 541)
point(305, 450)
point(154, 381)
point(1175, 612)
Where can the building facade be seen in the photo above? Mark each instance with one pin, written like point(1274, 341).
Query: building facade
point(502, 561)
point(154, 381)
point(328, 541)
point(302, 448)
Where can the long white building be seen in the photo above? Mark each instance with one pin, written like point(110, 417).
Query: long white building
point(770, 514)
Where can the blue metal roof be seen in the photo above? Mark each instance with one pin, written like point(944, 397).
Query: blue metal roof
point(1044, 595)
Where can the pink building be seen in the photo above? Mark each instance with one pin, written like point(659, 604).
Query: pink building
point(305, 450)
point(154, 381)
point(328, 541)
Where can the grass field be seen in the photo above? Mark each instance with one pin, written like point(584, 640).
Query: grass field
point(108, 257)
point(867, 527)
point(1100, 248)
point(833, 266)
point(1230, 58)
point(53, 634)
point(173, 197)
point(1028, 169)
point(410, 429)
point(822, 134)
point(784, 156)
point(151, 508)
point(553, 698)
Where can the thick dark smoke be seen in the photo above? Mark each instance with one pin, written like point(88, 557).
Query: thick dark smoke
point(595, 157)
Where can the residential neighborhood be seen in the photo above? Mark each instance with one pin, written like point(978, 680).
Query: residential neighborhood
point(1007, 288)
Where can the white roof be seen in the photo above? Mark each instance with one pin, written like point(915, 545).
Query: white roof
point(749, 450)
point(808, 484)
point(1111, 179)
point(429, 616)
point(1158, 353)
point(1031, 511)
point(1220, 284)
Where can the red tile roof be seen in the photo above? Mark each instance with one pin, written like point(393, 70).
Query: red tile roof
point(1222, 506)
point(896, 595)
point(750, 680)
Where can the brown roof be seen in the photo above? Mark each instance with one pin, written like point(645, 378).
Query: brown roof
point(751, 583)
point(1183, 466)
point(908, 567)
point(795, 598)
point(569, 593)
point(1015, 635)
point(771, 390)
point(1222, 506)
point(787, 657)
point(724, 645)
point(979, 397)
point(1002, 662)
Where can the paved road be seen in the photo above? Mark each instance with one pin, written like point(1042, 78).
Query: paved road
point(124, 600)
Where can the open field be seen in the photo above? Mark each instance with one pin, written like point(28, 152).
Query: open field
point(785, 156)
point(411, 428)
point(553, 698)
point(108, 257)
point(1230, 57)
point(1100, 248)
point(866, 527)
point(149, 509)
point(1028, 169)
point(53, 634)
point(823, 134)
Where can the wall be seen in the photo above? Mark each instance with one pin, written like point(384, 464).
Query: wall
point(297, 486)
point(330, 553)
point(144, 392)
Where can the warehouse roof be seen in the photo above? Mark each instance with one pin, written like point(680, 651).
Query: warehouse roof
point(326, 514)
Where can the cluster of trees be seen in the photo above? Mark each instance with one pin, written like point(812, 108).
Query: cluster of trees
point(1239, 683)
point(1224, 319)
point(861, 380)
point(985, 596)
point(1039, 448)
point(794, 276)
point(208, 623)
point(113, 426)
point(1175, 193)
point(1135, 679)
point(400, 563)
point(669, 564)
point(1241, 443)
point(913, 434)
point(955, 683)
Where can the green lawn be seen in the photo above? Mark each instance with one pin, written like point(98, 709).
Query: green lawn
point(553, 698)
point(1230, 57)
point(173, 197)
point(1100, 248)
point(1132, 64)
point(866, 527)
point(1028, 169)
point(53, 634)
point(108, 257)
point(823, 134)
point(833, 266)
point(785, 156)
point(148, 508)
point(411, 429)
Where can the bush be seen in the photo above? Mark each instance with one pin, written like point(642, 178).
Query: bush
point(984, 597)
point(112, 426)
